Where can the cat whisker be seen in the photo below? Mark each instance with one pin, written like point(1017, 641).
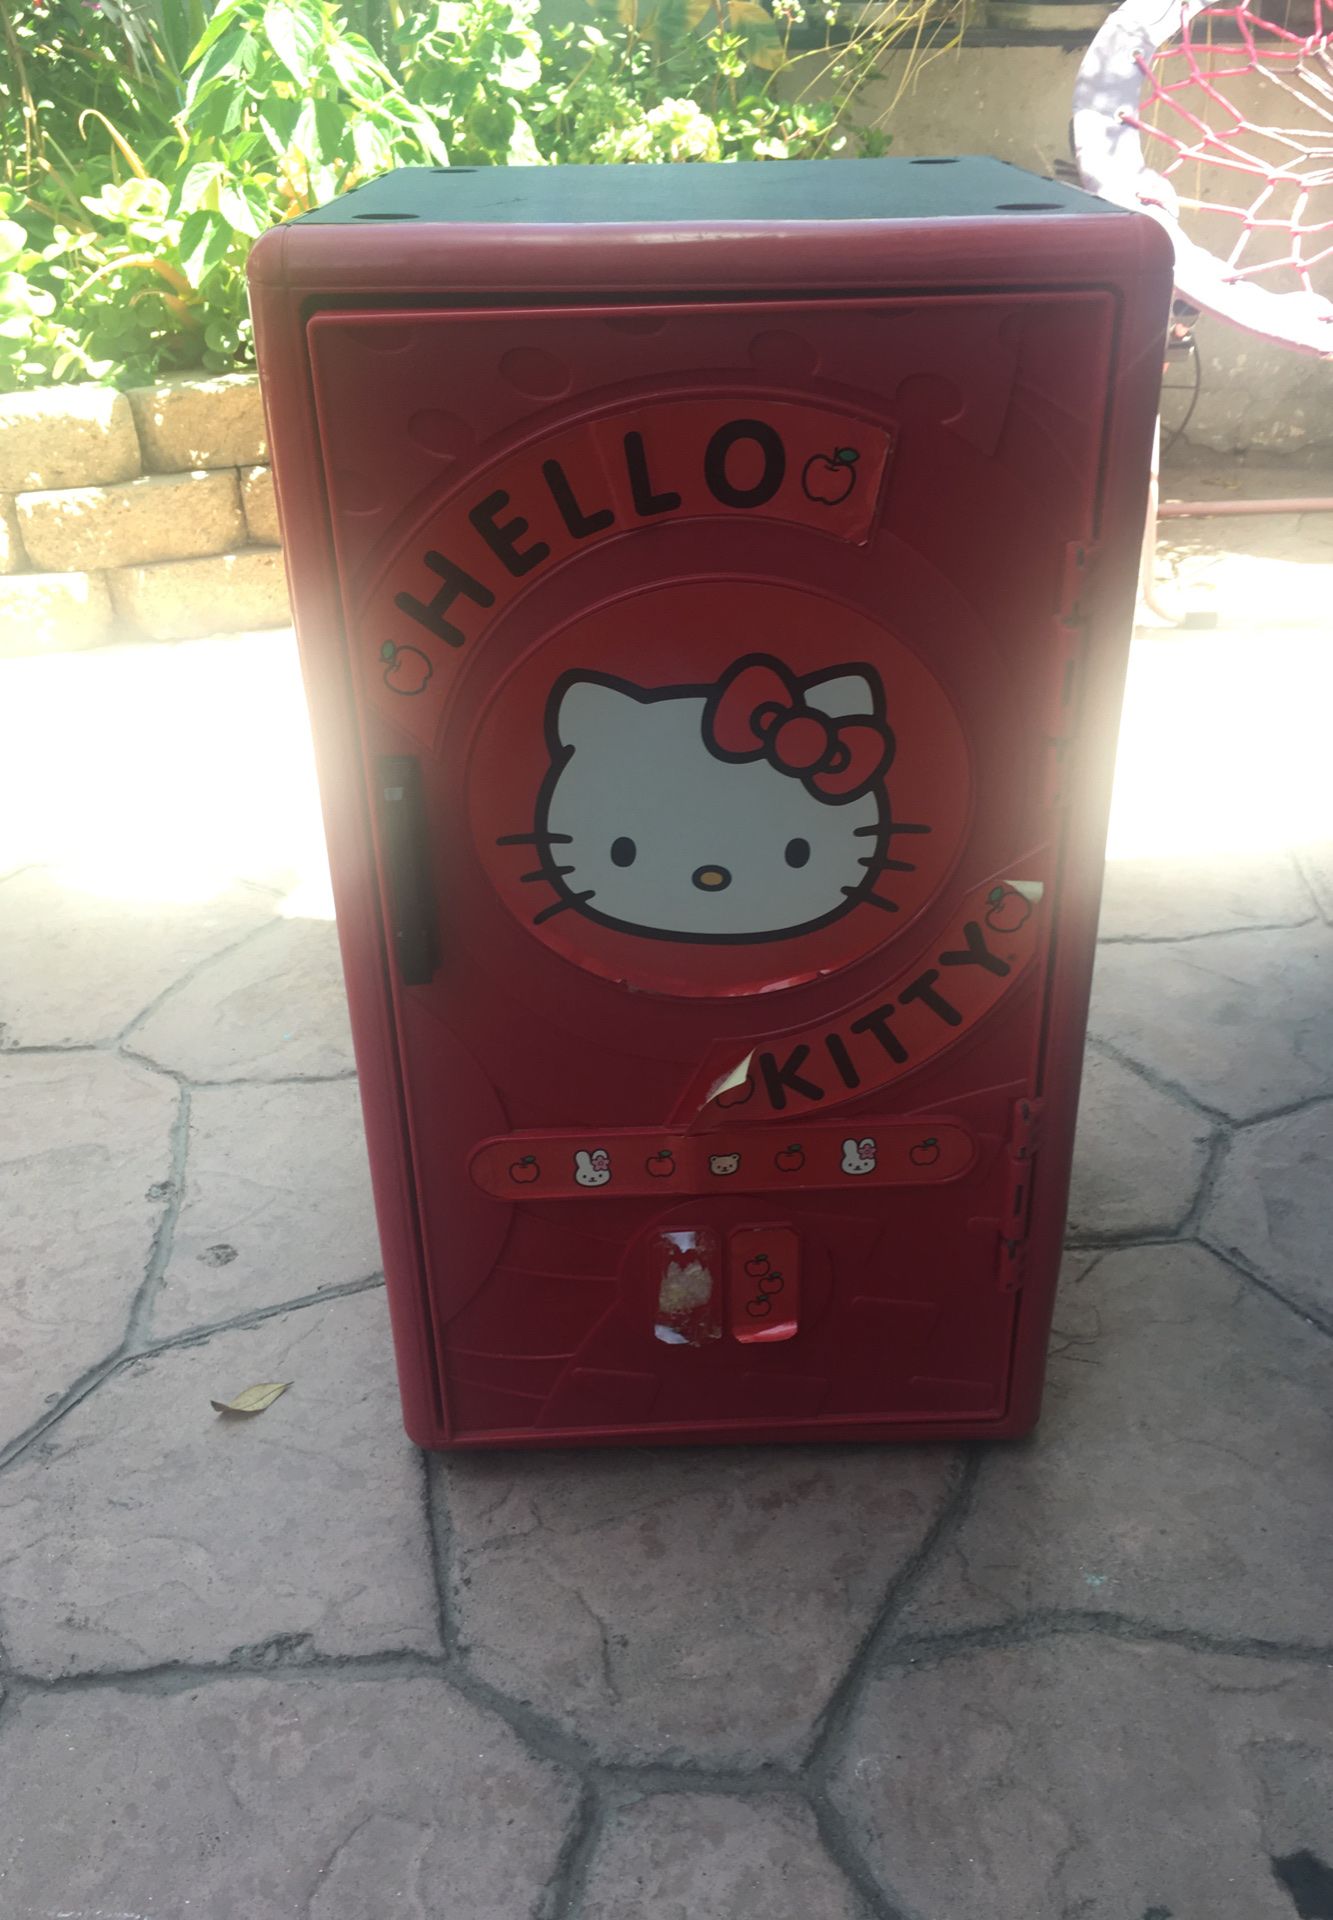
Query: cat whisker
point(535, 840)
point(543, 874)
point(886, 865)
point(905, 826)
point(561, 906)
point(873, 899)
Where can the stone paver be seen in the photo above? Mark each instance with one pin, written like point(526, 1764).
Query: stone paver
point(147, 1528)
point(1270, 1204)
point(1138, 1156)
point(1173, 899)
point(261, 505)
point(90, 963)
point(85, 1147)
point(1181, 1460)
point(12, 556)
point(200, 422)
point(683, 1603)
point(159, 517)
point(1093, 1778)
point(181, 599)
point(684, 1856)
point(53, 611)
point(277, 1203)
point(313, 1798)
point(1244, 1022)
point(272, 1010)
point(66, 437)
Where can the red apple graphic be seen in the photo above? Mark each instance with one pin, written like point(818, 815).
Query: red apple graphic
point(758, 1265)
point(525, 1171)
point(1006, 909)
point(830, 477)
point(758, 1308)
point(735, 1096)
point(771, 1283)
point(789, 1160)
point(662, 1164)
point(925, 1153)
point(406, 669)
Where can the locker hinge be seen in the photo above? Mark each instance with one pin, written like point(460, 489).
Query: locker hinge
point(1020, 1153)
point(1068, 639)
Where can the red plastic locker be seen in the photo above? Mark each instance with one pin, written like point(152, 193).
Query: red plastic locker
point(713, 587)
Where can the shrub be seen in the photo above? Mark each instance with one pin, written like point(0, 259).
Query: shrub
point(148, 142)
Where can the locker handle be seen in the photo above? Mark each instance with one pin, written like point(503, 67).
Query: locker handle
point(407, 858)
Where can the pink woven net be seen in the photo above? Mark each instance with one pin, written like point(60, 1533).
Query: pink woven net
point(1237, 113)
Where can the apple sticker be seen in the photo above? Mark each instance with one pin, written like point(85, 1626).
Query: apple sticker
point(736, 1096)
point(925, 1153)
point(1006, 909)
point(758, 1265)
point(789, 1160)
point(661, 1165)
point(525, 1171)
point(758, 1308)
point(406, 669)
point(772, 1283)
point(830, 477)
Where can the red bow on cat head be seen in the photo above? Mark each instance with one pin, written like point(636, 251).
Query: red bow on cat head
point(758, 711)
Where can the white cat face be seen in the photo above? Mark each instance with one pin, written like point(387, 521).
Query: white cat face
point(747, 810)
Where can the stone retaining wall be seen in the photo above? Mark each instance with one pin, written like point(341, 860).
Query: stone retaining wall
point(140, 515)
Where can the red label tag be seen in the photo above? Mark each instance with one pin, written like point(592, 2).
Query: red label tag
point(634, 1162)
point(669, 459)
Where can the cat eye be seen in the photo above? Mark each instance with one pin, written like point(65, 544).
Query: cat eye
point(797, 853)
point(623, 851)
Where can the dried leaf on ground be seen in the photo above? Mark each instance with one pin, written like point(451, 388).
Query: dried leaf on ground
point(253, 1399)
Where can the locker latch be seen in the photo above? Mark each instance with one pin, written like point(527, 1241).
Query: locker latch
point(1068, 639)
point(1024, 1139)
point(407, 861)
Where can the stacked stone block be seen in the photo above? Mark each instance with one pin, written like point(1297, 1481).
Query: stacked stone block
point(140, 515)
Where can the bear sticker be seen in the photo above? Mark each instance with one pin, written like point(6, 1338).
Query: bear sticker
point(750, 809)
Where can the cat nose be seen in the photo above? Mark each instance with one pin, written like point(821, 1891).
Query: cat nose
point(711, 879)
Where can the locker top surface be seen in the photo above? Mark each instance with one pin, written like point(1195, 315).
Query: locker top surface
point(965, 188)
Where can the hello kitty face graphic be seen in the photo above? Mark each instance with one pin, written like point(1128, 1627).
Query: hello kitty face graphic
point(750, 809)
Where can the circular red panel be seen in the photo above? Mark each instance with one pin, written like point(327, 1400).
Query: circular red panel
point(718, 787)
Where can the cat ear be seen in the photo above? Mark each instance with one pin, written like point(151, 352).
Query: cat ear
point(852, 690)
point(585, 709)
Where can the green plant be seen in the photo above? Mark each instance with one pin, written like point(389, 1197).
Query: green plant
point(148, 142)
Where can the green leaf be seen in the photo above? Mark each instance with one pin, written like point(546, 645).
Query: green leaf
point(205, 238)
point(218, 25)
point(13, 240)
point(200, 182)
point(294, 33)
point(236, 207)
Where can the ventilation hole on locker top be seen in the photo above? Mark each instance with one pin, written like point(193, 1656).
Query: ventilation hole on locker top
point(1029, 206)
point(937, 160)
point(385, 216)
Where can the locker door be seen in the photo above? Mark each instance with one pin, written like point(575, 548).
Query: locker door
point(711, 664)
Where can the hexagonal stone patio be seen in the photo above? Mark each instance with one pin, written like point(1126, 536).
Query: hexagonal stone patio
point(281, 1667)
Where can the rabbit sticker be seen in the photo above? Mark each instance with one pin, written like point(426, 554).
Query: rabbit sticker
point(750, 809)
point(592, 1167)
point(858, 1156)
